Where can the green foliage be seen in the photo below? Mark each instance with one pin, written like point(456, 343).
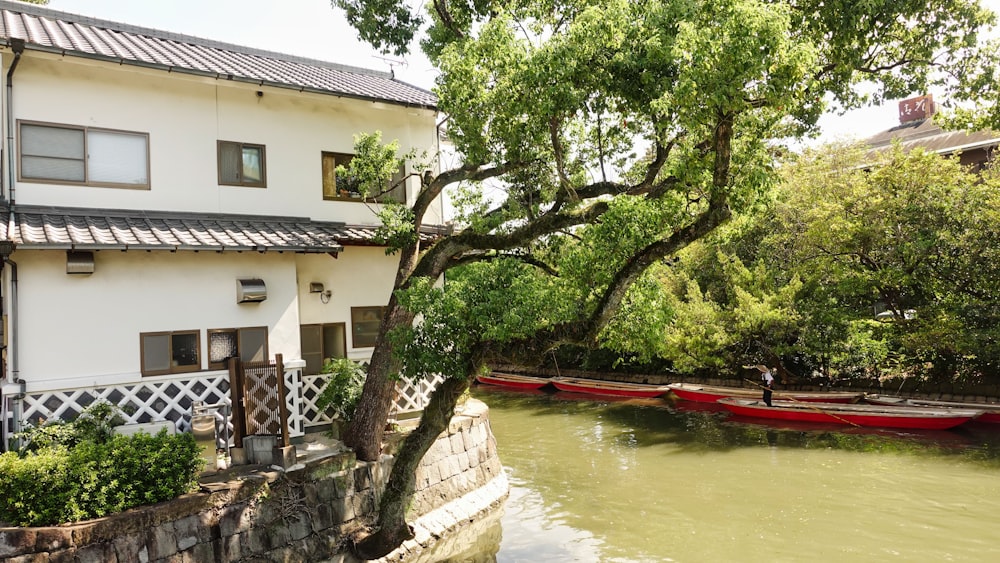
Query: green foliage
point(343, 389)
point(96, 423)
point(57, 484)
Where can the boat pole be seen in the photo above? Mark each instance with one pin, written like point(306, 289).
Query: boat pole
point(810, 405)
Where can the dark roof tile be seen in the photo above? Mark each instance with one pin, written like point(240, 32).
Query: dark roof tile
point(66, 228)
point(71, 34)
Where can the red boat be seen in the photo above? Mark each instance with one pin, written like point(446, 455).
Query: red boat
point(991, 411)
point(858, 415)
point(608, 388)
point(711, 394)
point(513, 380)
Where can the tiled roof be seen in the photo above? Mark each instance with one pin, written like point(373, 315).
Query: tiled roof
point(930, 136)
point(73, 35)
point(97, 229)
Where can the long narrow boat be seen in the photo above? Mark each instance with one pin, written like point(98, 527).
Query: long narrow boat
point(711, 394)
point(991, 411)
point(860, 415)
point(513, 380)
point(608, 388)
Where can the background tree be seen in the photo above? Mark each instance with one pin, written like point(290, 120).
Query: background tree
point(554, 101)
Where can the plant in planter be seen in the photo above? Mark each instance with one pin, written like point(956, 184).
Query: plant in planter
point(342, 390)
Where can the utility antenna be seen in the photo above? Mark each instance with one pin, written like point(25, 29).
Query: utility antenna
point(393, 63)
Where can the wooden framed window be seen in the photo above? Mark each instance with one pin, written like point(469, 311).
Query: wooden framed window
point(347, 190)
point(249, 344)
point(170, 352)
point(364, 325)
point(322, 341)
point(89, 156)
point(242, 164)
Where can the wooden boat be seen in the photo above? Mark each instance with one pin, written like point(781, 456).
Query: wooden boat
point(991, 411)
point(608, 388)
point(513, 380)
point(711, 394)
point(859, 415)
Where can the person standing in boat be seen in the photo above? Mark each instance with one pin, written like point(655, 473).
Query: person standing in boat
point(767, 379)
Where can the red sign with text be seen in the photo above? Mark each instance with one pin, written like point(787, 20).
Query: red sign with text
point(917, 108)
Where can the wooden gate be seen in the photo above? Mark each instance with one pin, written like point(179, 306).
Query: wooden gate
point(258, 393)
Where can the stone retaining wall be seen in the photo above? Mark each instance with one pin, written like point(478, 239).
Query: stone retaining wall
point(304, 513)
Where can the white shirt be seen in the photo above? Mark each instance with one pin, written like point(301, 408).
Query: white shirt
point(767, 377)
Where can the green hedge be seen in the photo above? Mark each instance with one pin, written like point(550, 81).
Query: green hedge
point(93, 479)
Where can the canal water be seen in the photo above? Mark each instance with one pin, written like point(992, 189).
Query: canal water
point(651, 480)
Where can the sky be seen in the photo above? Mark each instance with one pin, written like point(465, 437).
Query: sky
point(314, 29)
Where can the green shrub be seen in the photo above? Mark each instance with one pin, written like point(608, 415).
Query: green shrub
point(93, 479)
point(343, 389)
point(96, 422)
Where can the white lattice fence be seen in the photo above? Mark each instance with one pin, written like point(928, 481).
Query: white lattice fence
point(142, 402)
point(413, 396)
point(156, 400)
point(410, 397)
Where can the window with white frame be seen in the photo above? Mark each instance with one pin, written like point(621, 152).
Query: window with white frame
point(242, 164)
point(170, 352)
point(90, 156)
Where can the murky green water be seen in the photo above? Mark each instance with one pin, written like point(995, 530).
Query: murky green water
point(644, 481)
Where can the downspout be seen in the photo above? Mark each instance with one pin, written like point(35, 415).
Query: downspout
point(13, 391)
point(16, 45)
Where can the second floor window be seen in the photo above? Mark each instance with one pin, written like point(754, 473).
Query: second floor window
point(68, 154)
point(340, 188)
point(242, 164)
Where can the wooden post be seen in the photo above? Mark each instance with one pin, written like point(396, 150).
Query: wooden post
point(236, 397)
point(280, 367)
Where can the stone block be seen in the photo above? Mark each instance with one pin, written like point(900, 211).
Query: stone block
point(278, 534)
point(17, 540)
point(228, 548)
point(362, 477)
point(323, 518)
point(260, 449)
point(344, 483)
point(60, 556)
point(129, 549)
point(48, 539)
point(463, 461)
point(254, 541)
point(161, 542)
point(235, 519)
point(283, 456)
point(96, 553)
point(300, 527)
point(457, 443)
point(186, 532)
point(200, 553)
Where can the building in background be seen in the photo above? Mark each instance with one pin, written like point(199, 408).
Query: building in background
point(917, 129)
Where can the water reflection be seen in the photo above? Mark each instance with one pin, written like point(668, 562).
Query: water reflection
point(636, 481)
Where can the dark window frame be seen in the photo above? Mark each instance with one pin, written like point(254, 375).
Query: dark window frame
point(187, 368)
point(323, 353)
point(224, 364)
point(367, 335)
point(346, 193)
point(240, 179)
point(85, 160)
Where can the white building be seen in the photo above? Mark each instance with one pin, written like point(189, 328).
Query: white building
point(169, 201)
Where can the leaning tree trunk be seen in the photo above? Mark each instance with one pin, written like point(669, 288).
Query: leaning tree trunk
point(391, 528)
point(365, 431)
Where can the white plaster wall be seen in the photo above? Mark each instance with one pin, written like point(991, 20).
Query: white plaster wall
point(186, 115)
point(83, 330)
point(360, 277)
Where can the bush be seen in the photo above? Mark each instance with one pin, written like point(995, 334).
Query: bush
point(50, 482)
point(343, 389)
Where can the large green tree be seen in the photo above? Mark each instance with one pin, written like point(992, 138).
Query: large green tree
point(558, 103)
